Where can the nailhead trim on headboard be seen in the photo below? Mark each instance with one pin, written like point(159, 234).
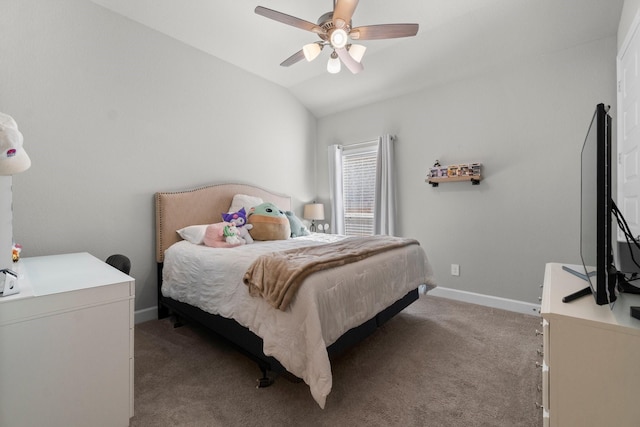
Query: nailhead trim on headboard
point(201, 205)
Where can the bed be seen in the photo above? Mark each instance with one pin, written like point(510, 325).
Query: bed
point(332, 310)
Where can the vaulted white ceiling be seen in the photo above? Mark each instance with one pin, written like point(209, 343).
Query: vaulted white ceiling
point(457, 38)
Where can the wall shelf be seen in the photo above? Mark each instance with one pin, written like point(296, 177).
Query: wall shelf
point(475, 180)
point(455, 173)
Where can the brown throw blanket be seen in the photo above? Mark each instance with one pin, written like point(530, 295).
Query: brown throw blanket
point(277, 276)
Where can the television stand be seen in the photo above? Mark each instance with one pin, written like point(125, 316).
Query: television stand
point(579, 294)
point(582, 292)
point(590, 366)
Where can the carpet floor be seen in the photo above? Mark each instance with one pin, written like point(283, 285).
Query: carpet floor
point(438, 363)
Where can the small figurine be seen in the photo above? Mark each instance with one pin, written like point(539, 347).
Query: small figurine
point(15, 253)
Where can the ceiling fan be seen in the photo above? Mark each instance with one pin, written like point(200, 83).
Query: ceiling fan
point(334, 29)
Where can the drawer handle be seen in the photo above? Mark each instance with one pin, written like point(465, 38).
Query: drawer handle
point(539, 333)
point(539, 406)
point(540, 352)
point(538, 365)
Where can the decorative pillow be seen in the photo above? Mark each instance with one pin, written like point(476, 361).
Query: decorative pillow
point(214, 236)
point(243, 201)
point(269, 223)
point(297, 227)
point(193, 233)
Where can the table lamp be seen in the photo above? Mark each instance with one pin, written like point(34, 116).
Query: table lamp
point(313, 211)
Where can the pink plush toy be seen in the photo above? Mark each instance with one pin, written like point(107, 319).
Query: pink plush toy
point(221, 235)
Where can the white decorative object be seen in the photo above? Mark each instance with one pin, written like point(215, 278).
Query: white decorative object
point(8, 282)
point(13, 159)
point(6, 220)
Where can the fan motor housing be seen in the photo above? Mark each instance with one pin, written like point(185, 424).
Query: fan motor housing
point(326, 23)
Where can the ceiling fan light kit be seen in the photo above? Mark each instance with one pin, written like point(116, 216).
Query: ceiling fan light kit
point(333, 65)
point(339, 38)
point(335, 29)
point(311, 51)
point(357, 51)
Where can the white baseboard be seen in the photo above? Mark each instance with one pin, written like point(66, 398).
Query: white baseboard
point(487, 300)
point(145, 314)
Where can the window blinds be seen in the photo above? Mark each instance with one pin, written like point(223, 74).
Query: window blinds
point(359, 180)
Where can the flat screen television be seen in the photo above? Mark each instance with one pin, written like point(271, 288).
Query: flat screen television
point(596, 204)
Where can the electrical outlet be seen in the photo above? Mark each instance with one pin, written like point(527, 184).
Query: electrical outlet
point(455, 269)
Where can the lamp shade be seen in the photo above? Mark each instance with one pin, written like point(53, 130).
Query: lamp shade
point(311, 51)
point(313, 211)
point(13, 158)
point(333, 65)
point(338, 38)
point(357, 52)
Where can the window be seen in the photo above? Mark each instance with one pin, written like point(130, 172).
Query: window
point(362, 188)
point(358, 188)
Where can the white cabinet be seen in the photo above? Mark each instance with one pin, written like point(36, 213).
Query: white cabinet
point(66, 344)
point(591, 362)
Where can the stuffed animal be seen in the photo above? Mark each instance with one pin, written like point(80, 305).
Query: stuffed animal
point(297, 227)
point(230, 233)
point(239, 218)
point(215, 237)
point(269, 223)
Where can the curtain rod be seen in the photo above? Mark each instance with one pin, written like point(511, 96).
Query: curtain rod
point(373, 141)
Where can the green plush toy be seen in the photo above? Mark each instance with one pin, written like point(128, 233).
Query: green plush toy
point(297, 227)
point(269, 223)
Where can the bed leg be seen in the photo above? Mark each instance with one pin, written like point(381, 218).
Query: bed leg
point(163, 311)
point(177, 321)
point(265, 381)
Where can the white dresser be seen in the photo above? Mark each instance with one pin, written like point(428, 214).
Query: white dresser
point(66, 344)
point(591, 361)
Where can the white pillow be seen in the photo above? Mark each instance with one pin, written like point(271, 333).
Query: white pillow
point(193, 233)
point(243, 201)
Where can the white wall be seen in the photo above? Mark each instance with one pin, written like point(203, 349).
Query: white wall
point(629, 11)
point(526, 123)
point(112, 112)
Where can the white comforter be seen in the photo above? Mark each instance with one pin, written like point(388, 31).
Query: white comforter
point(328, 304)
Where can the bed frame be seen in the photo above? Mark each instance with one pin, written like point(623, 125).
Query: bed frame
point(203, 205)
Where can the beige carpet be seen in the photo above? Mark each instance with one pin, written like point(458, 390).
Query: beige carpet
point(439, 363)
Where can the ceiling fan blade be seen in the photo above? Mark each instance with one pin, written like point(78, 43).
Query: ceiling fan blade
point(296, 57)
point(343, 12)
point(289, 20)
point(354, 66)
point(384, 31)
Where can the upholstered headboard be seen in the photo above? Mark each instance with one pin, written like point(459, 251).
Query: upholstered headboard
point(203, 205)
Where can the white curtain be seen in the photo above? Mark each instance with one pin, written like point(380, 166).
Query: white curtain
point(384, 216)
point(335, 182)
